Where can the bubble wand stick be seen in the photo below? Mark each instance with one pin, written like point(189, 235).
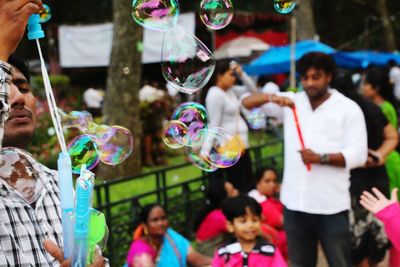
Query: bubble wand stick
point(35, 32)
point(296, 119)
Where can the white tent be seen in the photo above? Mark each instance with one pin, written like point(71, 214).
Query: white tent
point(90, 45)
point(240, 47)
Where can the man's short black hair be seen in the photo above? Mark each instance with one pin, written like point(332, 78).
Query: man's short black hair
point(21, 65)
point(235, 207)
point(316, 60)
point(391, 63)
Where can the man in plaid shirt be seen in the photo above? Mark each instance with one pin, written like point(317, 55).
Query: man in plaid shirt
point(30, 222)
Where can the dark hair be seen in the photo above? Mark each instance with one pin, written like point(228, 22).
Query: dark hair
point(215, 196)
point(317, 60)
point(145, 212)
point(261, 174)
point(379, 80)
point(344, 84)
point(21, 65)
point(236, 206)
point(221, 67)
point(263, 79)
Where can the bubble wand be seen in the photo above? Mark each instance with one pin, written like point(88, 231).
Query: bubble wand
point(35, 32)
point(84, 190)
point(296, 119)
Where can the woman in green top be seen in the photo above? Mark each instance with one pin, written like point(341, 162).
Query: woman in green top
point(376, 87)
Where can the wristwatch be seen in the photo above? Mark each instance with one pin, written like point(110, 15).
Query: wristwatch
point(324, 158)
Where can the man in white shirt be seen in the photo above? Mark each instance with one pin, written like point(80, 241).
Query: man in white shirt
point(335, 137)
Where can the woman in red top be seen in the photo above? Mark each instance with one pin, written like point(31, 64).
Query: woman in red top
point(272, 208)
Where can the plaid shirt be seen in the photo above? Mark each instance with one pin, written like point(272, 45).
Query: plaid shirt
point(23, 228)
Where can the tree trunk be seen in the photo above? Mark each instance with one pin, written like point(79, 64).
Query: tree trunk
point(390, 39)
point(305, 20)
point(121, 104)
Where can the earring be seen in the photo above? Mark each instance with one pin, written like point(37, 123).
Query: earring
point(145, 230)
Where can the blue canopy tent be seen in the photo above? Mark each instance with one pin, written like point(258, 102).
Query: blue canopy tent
point(277, 59)
point(364, 58)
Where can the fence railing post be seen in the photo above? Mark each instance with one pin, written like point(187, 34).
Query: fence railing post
point(164, 189)
point(110, 224)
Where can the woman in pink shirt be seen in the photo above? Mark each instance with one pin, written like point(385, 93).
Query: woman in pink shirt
point(388, 211)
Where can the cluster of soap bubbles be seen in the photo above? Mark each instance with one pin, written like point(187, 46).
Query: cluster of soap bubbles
point(187, 65)
point(284, 6)
point(108, 144)
point(208, 149)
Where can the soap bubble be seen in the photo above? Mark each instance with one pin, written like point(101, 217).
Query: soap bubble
point(45, 14)
point(195, 117)
point(255, 118)
point(83, 150)
point(187, 64)
point(216, 14)
point(284, 6)
point(220, 148)
point(115, 144)
point(156, 14)
point(175, 134)
point(198, 160)
point(77, 119)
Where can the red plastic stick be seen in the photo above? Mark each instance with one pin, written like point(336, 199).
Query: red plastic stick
point(296, 119)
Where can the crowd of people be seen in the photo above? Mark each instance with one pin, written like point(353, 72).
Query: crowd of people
point(340, 202)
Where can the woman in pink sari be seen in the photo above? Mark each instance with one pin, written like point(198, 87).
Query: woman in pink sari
point(155, 244)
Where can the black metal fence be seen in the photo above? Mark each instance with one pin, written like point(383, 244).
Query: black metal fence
point(181, 200)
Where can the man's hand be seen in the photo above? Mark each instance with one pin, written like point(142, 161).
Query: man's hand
point(377, 202)
point(14, 15)
point(281, 101)
point(58, 254)
point(375, 159)
point(310, 157)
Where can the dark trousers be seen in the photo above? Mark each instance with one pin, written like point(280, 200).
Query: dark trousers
point(304, 230)
point(239, 175)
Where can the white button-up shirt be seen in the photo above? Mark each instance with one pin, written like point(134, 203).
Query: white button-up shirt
point(336, 126)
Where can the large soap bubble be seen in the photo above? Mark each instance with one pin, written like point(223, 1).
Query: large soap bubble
point(195, 117)
point(115, 144)
point(187, 64)
point(83, 150)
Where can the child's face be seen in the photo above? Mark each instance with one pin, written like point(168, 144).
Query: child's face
point(267, 184)
point(247, 227)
